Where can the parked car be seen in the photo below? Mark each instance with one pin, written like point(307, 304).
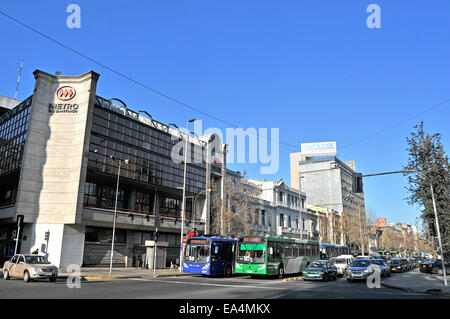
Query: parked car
point(384, 268)
point(397, 265)
point(433, 266)
point(342, 263)
point(320, 270)
point(29, 267)
point(359, 270)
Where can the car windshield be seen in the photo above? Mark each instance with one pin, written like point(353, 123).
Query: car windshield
point(360, 263)
point(318, 265)
point(395, 262)
point(378, 262)
point(252, 253)
point(340, 261)
point(36, 260)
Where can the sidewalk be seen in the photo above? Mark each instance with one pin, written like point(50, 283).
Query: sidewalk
point(416, 281)
point(96, 273)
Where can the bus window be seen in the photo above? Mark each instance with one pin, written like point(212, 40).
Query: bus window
point(295, 249)
point(215, 252)
point(271, 253)
point(288, 250)
point(203, 253)
point(279, 250)
point(308, 250)
point(301, 250)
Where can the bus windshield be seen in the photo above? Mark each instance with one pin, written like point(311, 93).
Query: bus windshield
point(196, 253)
point(251, 253)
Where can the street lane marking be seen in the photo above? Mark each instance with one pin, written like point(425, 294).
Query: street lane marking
point(276, 288)
point(206, 284)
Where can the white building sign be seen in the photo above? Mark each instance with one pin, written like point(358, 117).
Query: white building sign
point(319, 149)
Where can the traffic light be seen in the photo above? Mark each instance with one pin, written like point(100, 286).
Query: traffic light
point(357, 183)
point(156, 236)
point(47, 235)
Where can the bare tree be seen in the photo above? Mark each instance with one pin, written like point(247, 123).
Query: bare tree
point(237, 214)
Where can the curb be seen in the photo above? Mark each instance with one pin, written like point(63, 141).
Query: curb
point(293, 278)
point(88, 278)
point(436, 292)
point(394, 287)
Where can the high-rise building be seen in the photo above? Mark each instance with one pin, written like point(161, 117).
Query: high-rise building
point(60, 151)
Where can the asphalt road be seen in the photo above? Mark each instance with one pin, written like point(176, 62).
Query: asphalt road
point(193, 287)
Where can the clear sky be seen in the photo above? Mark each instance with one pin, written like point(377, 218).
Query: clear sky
point(313, 69)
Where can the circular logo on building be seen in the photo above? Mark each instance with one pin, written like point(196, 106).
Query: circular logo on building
point(66, 93)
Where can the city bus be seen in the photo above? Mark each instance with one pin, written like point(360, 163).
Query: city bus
point(332, 250)
point(209, 256)
point(273, 255)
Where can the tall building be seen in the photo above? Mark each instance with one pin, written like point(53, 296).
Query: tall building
point(327, 181)
point(60, 151)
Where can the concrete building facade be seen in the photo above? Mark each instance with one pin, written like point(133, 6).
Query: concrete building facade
point(59, 154)
point(327, 181)
point(283, 210)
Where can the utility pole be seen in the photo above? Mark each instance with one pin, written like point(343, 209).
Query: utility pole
point(184, 192)
point(358, 189)
point(119, 165)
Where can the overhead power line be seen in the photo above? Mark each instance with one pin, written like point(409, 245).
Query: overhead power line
point(193, 108)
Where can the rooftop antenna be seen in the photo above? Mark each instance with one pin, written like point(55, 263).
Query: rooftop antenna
point(18, 80)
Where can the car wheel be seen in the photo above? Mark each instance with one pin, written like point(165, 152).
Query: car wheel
point(26, 276)
point(228, 271)
point(52, 279)
point(349, 280)
point(6, 275)
point(335, 276)
point(280, 272)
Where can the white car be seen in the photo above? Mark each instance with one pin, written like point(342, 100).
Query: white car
point(342, 263)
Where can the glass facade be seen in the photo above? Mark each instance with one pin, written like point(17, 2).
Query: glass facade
point(148, 150)
point(13, 133)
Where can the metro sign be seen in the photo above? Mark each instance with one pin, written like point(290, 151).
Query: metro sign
point(66, 93)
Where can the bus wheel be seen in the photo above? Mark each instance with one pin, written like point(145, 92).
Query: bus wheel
point(280, 271)
point(228, 271)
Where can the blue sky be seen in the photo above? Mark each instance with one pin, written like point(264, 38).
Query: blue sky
point(310, 68)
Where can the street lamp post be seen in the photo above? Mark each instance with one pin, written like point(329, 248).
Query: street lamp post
point(120, 163)
point(184, 192)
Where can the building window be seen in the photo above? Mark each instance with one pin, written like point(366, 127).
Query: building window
point(282, 220)
point(144, 202)
point(263, 217)
point(104, 196)
point(104, 235)
point(280, 199)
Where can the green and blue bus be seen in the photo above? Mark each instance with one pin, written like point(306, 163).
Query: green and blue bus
point(273, 255)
